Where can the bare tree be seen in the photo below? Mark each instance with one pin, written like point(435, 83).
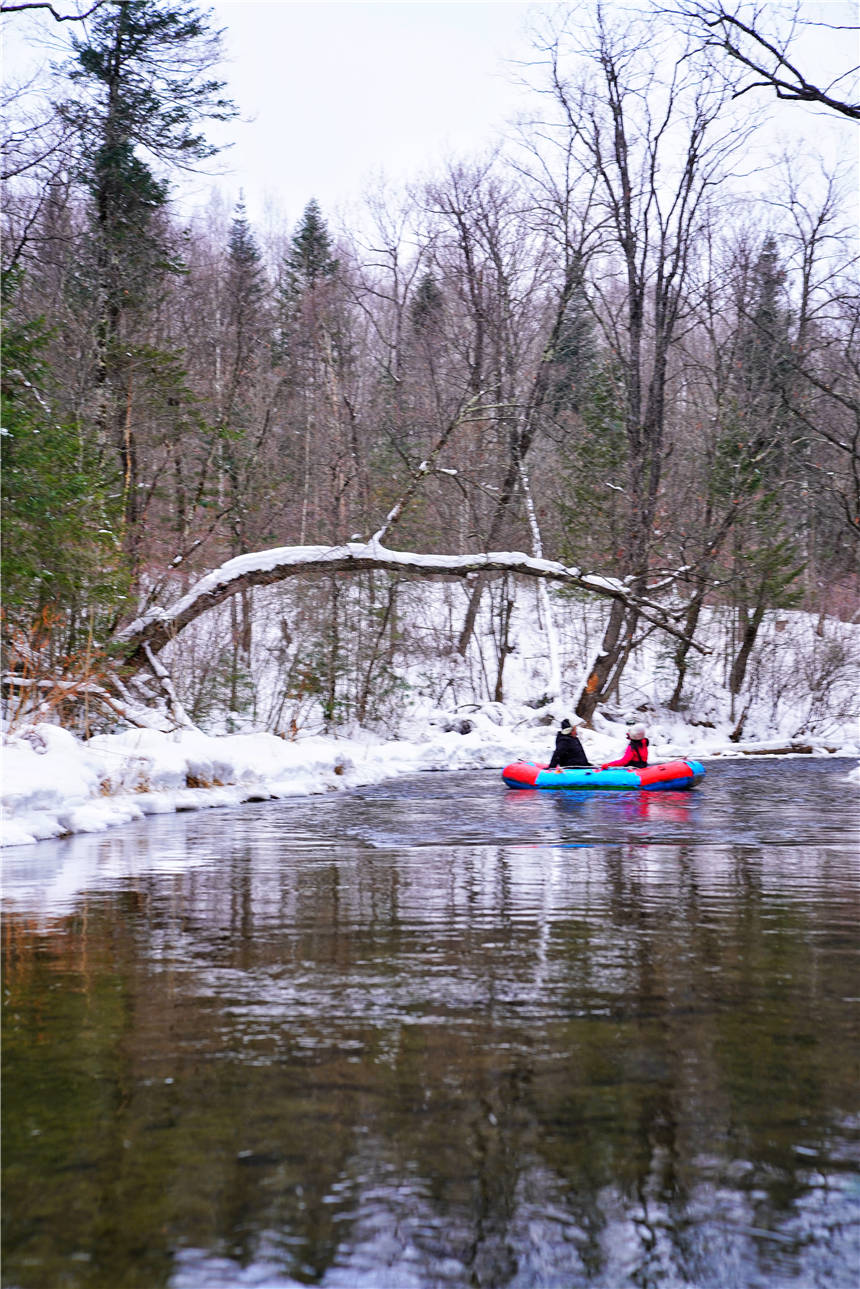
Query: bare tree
point(759, 39)
point(769, 388)
point(498, 260)
point(36, 159)
point(651, 133)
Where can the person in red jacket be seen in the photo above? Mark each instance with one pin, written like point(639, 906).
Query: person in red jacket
point(636, 752)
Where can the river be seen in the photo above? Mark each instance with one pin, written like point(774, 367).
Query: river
point(438, 1033)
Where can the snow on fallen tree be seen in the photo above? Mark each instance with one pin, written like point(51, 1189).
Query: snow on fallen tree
point(153, 630)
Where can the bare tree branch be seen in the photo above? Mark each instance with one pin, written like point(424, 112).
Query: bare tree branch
point(745, 40)
point(58, 17)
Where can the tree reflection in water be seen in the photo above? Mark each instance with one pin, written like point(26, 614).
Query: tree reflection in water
point(328, 1062)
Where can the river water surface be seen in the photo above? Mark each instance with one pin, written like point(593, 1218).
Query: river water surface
point(440, 1033)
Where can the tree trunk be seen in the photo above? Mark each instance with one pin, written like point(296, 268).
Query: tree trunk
point(376, 649)
point(157, 627)
point(682, 653)
point(506, 610)
point(752, 623)
point(611, 648)
point(330, 700)
point(521, 437)
point(508, 489)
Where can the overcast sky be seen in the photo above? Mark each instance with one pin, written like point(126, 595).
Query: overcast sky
point(334, 94)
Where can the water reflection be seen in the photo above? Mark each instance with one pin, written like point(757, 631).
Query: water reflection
point(313, 1058)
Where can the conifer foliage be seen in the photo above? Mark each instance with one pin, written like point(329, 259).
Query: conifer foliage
point(141, 92)
point(59, 520)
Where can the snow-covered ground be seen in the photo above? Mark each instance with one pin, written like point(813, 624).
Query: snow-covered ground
point(801, 693)
point(54, 784)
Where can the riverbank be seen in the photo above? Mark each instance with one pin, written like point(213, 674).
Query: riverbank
point(54, 784)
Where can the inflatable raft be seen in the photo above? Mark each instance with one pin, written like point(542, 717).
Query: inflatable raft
point(671, 776)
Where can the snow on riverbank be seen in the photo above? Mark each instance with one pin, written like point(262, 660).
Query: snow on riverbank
point(54, 784)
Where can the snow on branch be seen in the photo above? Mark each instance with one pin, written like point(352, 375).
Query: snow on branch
point(150, 632)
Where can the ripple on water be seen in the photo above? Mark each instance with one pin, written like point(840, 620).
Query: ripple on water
point(442, 1033)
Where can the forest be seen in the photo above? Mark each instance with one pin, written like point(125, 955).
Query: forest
point(610, 359)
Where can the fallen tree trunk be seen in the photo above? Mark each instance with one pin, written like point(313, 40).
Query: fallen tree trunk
point(148, 634)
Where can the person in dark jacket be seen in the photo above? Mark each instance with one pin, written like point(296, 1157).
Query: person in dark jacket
point(636, 752)
point(568, 749)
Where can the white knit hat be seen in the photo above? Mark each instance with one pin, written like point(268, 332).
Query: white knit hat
point(636, 731)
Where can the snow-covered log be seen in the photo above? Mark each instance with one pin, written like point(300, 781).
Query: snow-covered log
point(155, 628)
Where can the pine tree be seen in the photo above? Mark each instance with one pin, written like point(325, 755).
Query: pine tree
point(593, 460)
point(310, 260)
point(426, 306)
point(246, 283)
point(755, 459)
point(765, 349)
point(308, 266)
point(241, 344)
point(59, 550)
point(315, 353)
point(142, 91)
point(244, 297)
point(140, 94)
point(574, 358)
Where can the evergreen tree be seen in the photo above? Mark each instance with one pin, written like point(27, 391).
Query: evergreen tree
point(241, 348)
point(60, 554)
point(574, 358)
point(243, 323)
point(764, 350)
point(593, 459)
point(141, 82)
point(310, 260)
point(246, 283)
point(142, 91)
point(316, 354)
point(425, 309)
point(308, 266)
point(754, 463)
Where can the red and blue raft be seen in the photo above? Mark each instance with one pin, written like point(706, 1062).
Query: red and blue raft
point(670, 776)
